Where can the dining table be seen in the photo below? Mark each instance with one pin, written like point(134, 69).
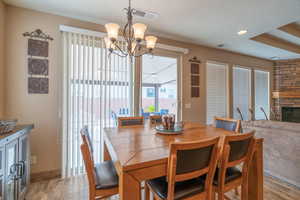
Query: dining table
point(139, 153)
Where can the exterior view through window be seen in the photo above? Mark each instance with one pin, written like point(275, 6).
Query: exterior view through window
point(159, 85)
point(261, 94)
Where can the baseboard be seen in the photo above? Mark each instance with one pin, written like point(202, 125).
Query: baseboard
point(279, 178)
point(42, 176)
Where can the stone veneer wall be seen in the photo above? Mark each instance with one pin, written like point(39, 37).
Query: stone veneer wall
point(286, 78)
point(281, 148)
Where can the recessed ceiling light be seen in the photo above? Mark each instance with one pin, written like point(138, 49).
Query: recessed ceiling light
point(242, 32)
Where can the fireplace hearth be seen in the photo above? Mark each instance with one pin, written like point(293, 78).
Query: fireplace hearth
point(290, 114)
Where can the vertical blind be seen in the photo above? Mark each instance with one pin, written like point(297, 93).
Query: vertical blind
point(261, 94)
point(216, 75)
point(241, 92)
point(96, 87)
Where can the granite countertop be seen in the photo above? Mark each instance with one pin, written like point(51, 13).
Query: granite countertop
point(18, 128)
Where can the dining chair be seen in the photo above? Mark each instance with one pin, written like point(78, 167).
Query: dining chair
point(85, 136)
point(155, 119)
point(184, 170)
point(228, 124)
point(238, 149)
point(102, 177)
point(130, 121)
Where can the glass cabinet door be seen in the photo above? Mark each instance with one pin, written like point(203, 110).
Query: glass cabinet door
point(1, 188)
point(11, 155)
point(2, 162)
point(24, 163)
point(2, 159)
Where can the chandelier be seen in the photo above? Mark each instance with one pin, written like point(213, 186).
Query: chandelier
point(133, 35)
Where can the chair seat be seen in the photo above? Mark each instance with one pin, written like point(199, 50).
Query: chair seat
point(232, 173)
point(182, 189)
point(106, 175)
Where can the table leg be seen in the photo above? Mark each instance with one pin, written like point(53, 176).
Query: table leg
point(256, 176)
point(129, 187)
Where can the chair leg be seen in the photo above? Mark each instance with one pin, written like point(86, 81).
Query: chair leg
point(220, 195)
point(147, 192)
point(244, 193)
point(92, 195)
point(213, 194)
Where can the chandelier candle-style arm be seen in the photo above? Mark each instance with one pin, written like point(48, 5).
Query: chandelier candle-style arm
point(133, 34)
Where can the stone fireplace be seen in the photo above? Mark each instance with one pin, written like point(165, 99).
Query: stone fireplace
point(286, 95)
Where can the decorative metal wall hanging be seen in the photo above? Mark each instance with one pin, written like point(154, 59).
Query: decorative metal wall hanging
point(38, 48)
point(38, 85)
point(38, 33)
point(38, 63)
point(195, 77)
point(38, 66)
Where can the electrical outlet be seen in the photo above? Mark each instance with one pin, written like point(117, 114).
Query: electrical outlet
point(33, 160)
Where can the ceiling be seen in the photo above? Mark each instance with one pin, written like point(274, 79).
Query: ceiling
point(206, 22)
point(159, 69)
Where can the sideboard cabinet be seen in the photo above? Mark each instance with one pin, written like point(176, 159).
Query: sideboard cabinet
point(15, 163)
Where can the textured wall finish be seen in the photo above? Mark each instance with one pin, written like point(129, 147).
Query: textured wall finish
point(2, 73)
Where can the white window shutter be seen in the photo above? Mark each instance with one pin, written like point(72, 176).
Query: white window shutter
point(216, 76)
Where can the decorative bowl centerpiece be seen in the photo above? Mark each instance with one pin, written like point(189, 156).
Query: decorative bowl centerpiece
point(168, 126)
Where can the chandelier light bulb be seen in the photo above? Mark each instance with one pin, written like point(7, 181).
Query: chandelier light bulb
point(151, 42)
point(139, 31)
point(112, 31)
point(108, 43)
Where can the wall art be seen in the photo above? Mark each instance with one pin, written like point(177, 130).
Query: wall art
point(38, 66)
point(38, 85)
point(38, 63)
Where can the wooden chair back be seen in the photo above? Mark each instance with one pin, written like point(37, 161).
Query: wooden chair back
point(238, 149)
point(155, 119)
point(130, 121)
point(89, 164)
point(85, 136)
point(228, 124)
point(188, 160)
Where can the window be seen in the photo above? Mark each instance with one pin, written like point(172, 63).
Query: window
point(216, 91)
point(96, 89)
point(261, 83)
point(241, 86)
point(159, 85)
point(150, 92)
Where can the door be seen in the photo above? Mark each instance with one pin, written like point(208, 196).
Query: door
point(24, 165)
point(160, 85)
point(11, 170)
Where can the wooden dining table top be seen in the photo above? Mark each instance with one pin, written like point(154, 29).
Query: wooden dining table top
point(140, 146)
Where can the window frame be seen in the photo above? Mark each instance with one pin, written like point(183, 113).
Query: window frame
point(252, 69)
